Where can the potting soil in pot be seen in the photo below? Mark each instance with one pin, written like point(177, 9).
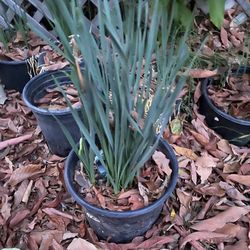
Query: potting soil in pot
point(234, 98)
point(149, 186)
point(54, 99)
point(23, 46)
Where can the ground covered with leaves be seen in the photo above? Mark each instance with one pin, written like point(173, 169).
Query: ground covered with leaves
point(208, 210)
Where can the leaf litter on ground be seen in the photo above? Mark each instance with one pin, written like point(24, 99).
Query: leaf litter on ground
point(234, 97)
point(208, 210)
point(216, 200)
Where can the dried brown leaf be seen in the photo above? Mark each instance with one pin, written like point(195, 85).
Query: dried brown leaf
point(211, 189)
point(189, 153)
point(206, 161)
point(230, 167)
point(233, 192)
point(25, 172)
point(202, 73)
point(14, 141)
point(19, 217)
point(204, 165)
point(4, 123)
point(53, 211)
point(224, 146)
point(127, 194)
point(245, 168)
point(56, 66)
point(239, 245)
point(224, 37)
point(27, 192)
point(56, 246)
point(197, 92)
point(69, 235)
point(232, 214)
point(202, 236)
point(200, 138)
point(229, 229)
point(162, 162)
point(205, 209)
point(241, 179)
point(37, 236)
point(100, 197)
point(143, 192)
point(18, 196)
point(184, 197)
point(157, 241)
point(199, 124)
point(136, 201)
point(46, 241)
point(6, 207)
point(80, 244)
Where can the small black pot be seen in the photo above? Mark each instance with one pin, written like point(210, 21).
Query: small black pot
point(236, 131)
point(14, 75)
point(121, 227)
point(34, 90)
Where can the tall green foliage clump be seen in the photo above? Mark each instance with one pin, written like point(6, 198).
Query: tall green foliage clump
point(120, 113)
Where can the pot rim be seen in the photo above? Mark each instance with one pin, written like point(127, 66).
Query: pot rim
point(204, 86)
point(13, 63)
point(122, 214)
point(36, 109)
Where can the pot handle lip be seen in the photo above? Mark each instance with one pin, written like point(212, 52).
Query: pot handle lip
point(68, 179)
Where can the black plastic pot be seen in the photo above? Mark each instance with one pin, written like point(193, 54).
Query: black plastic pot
point(236, 131)
point(121, 227)
point(34, 90)
point(14, 75)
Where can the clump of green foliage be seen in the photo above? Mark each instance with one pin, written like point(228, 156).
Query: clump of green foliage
point(115, 84)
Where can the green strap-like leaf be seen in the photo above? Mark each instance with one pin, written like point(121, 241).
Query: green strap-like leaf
point(216, 12)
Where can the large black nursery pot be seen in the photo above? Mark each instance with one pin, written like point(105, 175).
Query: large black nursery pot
point(235, 130)
point(14, 74)
point(121, 227)
point(47, 120)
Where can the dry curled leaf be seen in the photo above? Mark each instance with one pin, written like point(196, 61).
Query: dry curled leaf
point(20, 216)
point(80, 244)
point(25, 172)
point(232, 214)
point(162, 162)
point(202, 73)
point(204, 165)
point(202, 236)
point(224, 37)
point(6, 207)
point(233, 192)
point(229, 229)
point(185, 152)
point(241, 179)
point(200, 138)
point(14, 141)
point(239, 245)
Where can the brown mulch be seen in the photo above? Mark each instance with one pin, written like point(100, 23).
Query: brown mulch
point(234, 98)
point(208, 210)
point(55, 100)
